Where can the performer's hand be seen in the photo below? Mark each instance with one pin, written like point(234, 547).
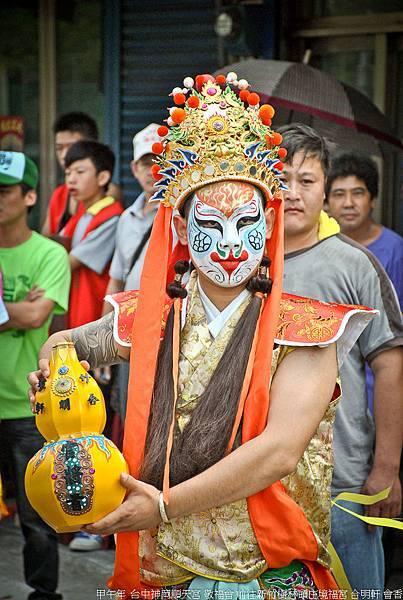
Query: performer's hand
point(392, 505)
point(139, 510)
point(43, 373)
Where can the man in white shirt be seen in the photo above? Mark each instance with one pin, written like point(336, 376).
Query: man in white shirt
point(133, 234)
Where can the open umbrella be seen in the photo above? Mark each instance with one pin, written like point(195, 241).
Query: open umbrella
point(336, 110)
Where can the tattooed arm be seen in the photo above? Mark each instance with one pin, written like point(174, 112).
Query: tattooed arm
point(94, 343)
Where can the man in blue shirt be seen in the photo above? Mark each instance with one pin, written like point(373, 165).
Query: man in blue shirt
point(352, 187)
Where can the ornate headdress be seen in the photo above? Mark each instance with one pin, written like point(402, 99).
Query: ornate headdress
point(216, 134)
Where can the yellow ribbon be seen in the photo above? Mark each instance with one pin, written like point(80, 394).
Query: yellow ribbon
point(338, 571)
point(368, 501)
point(337, 566)
point(327, 226)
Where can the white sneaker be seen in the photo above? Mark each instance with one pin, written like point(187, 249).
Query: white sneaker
point(85, 542)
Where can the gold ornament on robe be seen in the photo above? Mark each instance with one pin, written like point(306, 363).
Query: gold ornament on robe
point(75, 478)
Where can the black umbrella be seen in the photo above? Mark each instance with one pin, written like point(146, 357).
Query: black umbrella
point(336, 110)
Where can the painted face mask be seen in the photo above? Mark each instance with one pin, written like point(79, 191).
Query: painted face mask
point(227, 231)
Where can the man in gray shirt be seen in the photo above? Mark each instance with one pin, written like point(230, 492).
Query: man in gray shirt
point(322, 263)
point(132, 235)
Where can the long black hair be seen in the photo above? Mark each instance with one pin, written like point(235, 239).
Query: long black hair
point(205, 438)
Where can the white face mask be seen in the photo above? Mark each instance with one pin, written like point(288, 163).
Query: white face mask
point(227, 245)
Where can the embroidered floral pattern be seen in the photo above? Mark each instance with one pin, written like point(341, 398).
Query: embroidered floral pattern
point(309, 484)
point(127, 302)
point(308, 320)
point(294, 577)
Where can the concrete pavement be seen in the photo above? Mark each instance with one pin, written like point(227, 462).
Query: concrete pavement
point(83, 575)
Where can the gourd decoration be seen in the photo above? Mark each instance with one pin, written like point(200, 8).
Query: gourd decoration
point(74, 479)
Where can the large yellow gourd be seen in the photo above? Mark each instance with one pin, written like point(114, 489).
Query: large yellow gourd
point(74, 479)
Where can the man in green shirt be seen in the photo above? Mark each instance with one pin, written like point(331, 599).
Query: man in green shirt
point(36, 281)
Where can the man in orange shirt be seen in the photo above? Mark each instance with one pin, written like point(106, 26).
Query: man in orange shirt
point(91, 231)
point(68, 129)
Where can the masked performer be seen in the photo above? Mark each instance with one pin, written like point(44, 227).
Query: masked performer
point(229, 491)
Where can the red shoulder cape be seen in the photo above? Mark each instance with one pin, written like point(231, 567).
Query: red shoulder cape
point(302, 321)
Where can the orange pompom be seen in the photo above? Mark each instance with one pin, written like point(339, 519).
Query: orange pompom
point(178, 115)
point(155, 170)
point(157, 148)
point(193, 102)
point(266, 111)
point(221, 79)
point(243, 95)
point(282, 153)
point(279, 166)
point(253, 99)
point(276, 139)
point(201, 80)
point(265, 121)
point(162, 130)
point(179, 98)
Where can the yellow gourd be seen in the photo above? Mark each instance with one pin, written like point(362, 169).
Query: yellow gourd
point(74, 479)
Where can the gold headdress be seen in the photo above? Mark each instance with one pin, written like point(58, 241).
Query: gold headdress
point(217, 134)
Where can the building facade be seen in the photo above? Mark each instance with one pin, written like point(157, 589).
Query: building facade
point(116, 60)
